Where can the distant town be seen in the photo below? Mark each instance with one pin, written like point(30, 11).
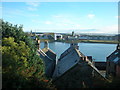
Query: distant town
point(67, 37)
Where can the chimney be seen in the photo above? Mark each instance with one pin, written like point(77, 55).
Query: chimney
point(74, 45)
point(118, 47)
point(46, 44)
point(38, 44)
point(89, 58)
point(72, 33)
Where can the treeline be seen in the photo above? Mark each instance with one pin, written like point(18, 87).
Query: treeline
point(21, 67)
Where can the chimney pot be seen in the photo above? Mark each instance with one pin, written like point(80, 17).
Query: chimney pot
point(46, 44)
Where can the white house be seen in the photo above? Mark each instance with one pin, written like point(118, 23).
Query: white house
point(57, 36)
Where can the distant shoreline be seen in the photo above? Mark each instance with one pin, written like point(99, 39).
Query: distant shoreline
point(83, 41)
point(88, 41)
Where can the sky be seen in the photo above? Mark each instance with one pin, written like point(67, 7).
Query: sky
point(63, 17)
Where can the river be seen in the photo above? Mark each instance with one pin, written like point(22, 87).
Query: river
point(98, 51)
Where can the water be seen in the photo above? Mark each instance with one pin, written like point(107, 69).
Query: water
point(98, 51)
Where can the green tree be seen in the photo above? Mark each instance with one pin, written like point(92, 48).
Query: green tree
point(14, 60)
point(18, 53)
point(22, 68)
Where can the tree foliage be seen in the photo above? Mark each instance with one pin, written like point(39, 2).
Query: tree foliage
point(16, 53)
point(22, 68)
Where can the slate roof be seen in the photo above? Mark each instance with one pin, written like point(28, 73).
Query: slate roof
point(70, 58)
point(66, 62)
point(115, 56)
point(69, 50)
point(74, 68)
point(49, 58)
point(49, 53)
point(84, 68)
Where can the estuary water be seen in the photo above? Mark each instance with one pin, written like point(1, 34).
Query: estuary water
point(98, 51)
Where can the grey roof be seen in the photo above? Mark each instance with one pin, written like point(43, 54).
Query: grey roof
point(115, 56)
point(66, 62)
point(49, 53)
point(48, 61)
point(83, 68)
point(70, 58)
point(69, 50)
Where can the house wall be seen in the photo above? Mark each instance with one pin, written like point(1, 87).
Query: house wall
point(75, 77)
point(82, 75)
point(118, 71)
point(111, 64)
point(57, 36)
point(100, 65)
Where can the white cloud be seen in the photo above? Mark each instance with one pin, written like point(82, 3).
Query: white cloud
point(91, 16)
point(36, 21)
point(62, 20)
point(33, 4)
point(117, 17)
point(32, 8)
point(48, 22)
point(58, 16)
point(64, 24)
point(109, 29)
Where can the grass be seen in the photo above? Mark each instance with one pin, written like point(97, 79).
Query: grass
point(89, 41)
point(101, 41)
point(83, 41)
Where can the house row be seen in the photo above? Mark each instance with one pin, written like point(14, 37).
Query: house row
point(86, 37)
point(48, 36)
point(73, 68)
point(91, 37)
point(98, 37)
point(58, 36)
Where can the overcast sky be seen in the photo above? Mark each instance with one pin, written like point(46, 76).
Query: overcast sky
point(63, 17)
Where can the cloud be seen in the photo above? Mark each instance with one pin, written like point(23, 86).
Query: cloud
point(118, 17)
point(57, 16)
point(48, 22)
point(62, 20)
point(33, 4)
point(109, 29)
point(32, 8)
point(15, 12)
point(34, 15)
point(91, 16)
point(36, 21)
point(77, 26)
